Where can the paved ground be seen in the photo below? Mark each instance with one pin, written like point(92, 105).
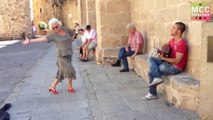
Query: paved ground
point(102, 93)
point(15, 61)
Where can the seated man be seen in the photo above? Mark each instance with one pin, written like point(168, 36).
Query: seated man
point(90, 42)
point(168, 66)
point(76, 28)
point(81, 32)
point(134, 47)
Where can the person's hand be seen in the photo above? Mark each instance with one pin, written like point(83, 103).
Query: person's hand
point(127, 49)
point(26, 41)
point(161, 56)
point(133, 56)
point(86, 46)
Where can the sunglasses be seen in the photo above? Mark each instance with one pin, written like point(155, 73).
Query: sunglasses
point(54, 27)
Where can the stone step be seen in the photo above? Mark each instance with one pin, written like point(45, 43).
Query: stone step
point(181, 90)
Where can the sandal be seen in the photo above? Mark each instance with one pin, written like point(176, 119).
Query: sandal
point(53, 91)
point(71, 90)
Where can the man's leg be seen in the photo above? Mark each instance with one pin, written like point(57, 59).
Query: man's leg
point(84, 52)
point(154, 66)
point(168, 69)
point(152, 73)
point(120, 56)
point(125, 61)
point(152, 94)
point(89, 48)
point(81, 53)
point(87, 54)
point(153, 89)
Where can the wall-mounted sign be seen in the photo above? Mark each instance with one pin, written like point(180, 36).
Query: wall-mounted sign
point(200, 11)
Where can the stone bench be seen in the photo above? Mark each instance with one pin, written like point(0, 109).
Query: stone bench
point(181, 89)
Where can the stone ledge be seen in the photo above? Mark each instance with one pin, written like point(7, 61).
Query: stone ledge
point(181, 90)
point(109, 55)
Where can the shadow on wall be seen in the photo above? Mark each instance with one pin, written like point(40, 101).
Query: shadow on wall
point(186, 37)
point(145, 47)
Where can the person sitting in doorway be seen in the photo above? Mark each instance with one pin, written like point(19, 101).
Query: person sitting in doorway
point(90, 42)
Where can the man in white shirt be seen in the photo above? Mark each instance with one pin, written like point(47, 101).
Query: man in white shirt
point(76, 28)
point(81, 32)
point(90, 42)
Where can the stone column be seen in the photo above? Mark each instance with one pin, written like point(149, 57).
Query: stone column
point(112, 18)
point(82, 11)
point(206, 97)
point(91, 13)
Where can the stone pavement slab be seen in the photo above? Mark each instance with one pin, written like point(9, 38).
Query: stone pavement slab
point(117, 96)
point(102, 93)
point(32, 101)
point(16, 60)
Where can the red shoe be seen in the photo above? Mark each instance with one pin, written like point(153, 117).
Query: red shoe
point(53, 91)
point(71, 90)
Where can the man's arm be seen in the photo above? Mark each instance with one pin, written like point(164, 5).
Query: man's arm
point(89, 41)
point(127, 47)
point(139, 42)
point(86, 42)
point(136, 50)
point(83, 44)
point(164, 45)
point(176, 60)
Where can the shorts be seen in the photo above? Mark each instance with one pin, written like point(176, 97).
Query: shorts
point(92, 45)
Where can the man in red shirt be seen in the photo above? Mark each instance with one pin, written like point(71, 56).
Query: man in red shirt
point(168, 66)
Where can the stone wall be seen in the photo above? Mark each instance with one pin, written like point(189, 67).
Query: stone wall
point(82, 11)
point(69, 13)
point(154, 18)
point(205, 107)
point(43, 10)
point(87, 14)
point(112, 18)
point(91, 13)
point(14, 19)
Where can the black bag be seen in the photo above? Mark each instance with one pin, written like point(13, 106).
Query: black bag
point(3, 114)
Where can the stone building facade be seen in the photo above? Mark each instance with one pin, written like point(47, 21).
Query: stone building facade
point(64, 10)
point(14, 19)
point(43, 10)
point(154, 18)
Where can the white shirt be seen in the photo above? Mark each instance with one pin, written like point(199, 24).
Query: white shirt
point(91, 35)
point(76, 29)
point(83, 38)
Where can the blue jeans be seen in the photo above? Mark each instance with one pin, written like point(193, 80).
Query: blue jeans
point(123, 54)
point(157, 68)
